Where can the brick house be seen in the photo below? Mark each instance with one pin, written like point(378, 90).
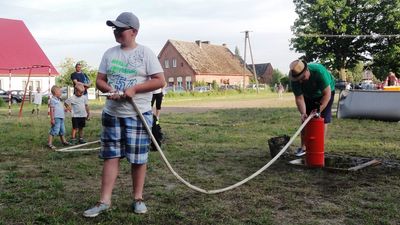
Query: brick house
point(264, 72)
point(184, 63)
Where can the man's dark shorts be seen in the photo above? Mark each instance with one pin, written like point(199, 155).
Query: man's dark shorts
point(158, 99)
point(78, 122)
point(312, 104)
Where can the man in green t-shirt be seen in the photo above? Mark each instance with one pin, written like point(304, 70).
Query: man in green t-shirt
point(314, 88)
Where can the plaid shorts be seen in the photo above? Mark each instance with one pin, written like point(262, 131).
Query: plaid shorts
point(125, 137)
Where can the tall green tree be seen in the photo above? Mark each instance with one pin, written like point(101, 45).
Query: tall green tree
point(68, 67)
point(321, 21)
point(387, 58)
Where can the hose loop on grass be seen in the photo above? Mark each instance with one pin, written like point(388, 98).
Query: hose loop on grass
point(229, 187)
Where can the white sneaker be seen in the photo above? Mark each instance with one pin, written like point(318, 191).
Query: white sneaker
point(139, 207)
point(300, 152)
point(96, 210)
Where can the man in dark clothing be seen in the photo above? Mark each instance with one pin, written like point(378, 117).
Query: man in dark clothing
point(78, 77)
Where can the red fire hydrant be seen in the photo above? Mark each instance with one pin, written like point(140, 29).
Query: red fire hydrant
point(314, 140)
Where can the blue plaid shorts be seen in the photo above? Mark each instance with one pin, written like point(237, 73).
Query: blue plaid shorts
point(125, 137)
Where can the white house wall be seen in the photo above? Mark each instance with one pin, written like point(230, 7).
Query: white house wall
point(17, 83)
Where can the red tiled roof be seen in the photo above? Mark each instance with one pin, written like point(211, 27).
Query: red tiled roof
point(18, 48)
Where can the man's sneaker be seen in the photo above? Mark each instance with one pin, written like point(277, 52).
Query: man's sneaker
point(96, 210)
point(73, 141)
point(81, 141)
point(300, 152)
point(139, 207)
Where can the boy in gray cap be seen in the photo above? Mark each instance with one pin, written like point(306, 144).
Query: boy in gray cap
point(133, 69)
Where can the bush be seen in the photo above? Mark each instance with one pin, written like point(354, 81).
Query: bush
point(2, 102)
point(45, 100)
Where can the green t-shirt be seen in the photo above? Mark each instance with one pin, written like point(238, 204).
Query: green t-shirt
point(320, 78)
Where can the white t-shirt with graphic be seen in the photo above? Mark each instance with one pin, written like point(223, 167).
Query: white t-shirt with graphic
point(126, 68)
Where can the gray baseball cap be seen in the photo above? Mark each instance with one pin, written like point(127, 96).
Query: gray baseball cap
point(125, 19)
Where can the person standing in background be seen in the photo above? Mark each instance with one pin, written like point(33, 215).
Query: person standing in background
point(80, 113)
point(157, 98)
point(79, 77)
point(391, 80)
point(37, 101)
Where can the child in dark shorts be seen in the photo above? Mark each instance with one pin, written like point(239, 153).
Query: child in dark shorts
point(80, 113)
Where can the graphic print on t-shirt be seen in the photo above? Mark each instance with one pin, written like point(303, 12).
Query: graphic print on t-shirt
point(122, 75)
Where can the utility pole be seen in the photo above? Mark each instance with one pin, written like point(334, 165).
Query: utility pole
point(247, 40)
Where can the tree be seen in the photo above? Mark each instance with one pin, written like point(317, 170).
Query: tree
point(237, 52)
point(355, 74)
point(276, 77)
point(68, 67)
point(387, 59)
point(320, 22)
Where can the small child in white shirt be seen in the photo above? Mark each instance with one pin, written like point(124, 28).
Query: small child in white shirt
point(80, 113)
point(37, 101)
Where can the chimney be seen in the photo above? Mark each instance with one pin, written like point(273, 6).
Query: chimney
point(198, 42)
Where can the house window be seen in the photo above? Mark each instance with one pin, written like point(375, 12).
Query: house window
point(171, 81)
point(188, 83)
point(1, 84)
point(173, 62)
point(30, 86)
point(179, 81)
point(36, 85)
point(166, 63)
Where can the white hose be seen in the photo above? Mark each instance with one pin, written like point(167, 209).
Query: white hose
point(229, 187)
point(74, 148)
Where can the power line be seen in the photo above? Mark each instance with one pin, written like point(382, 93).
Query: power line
point(351, 35)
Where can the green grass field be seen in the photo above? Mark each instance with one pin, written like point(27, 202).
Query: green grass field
point(212, 150)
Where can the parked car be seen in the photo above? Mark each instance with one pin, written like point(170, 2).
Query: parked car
point(254, 86)
point(202, 89)
point(340, 84)
point(19, 95)
point(367, 85)
point(229, 87)
point(174, 89)
point(14, 98)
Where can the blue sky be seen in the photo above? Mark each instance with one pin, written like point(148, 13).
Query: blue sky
point(77, 29)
